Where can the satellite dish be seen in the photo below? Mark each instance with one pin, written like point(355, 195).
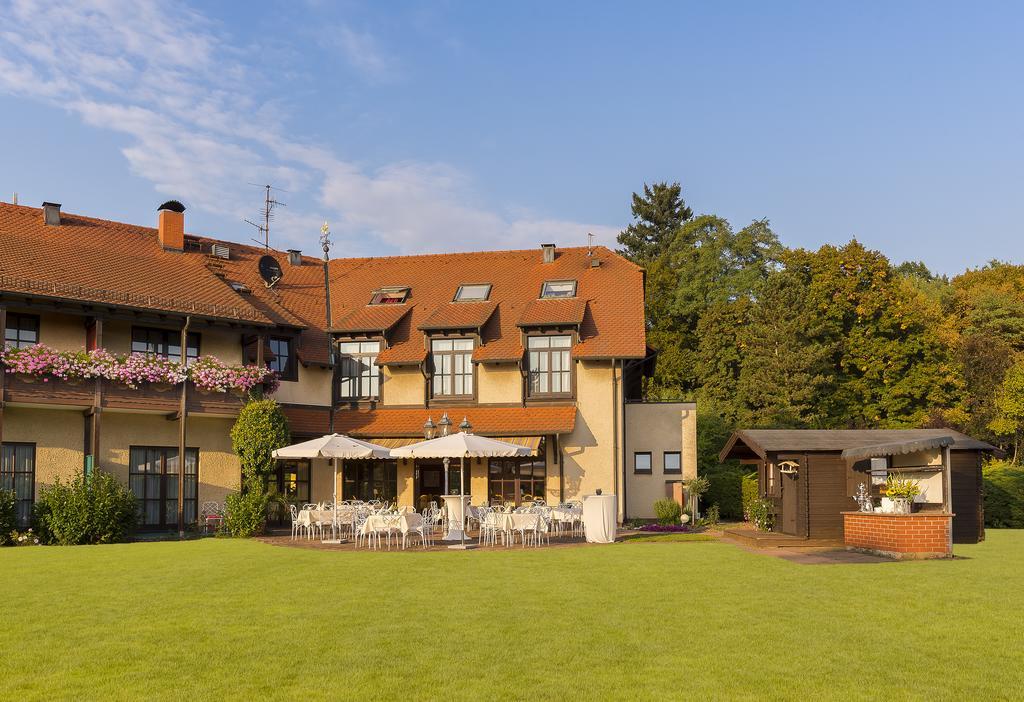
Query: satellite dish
point(270, 270)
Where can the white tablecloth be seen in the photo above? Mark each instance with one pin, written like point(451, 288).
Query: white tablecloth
point(599, 517)
point(315, 516)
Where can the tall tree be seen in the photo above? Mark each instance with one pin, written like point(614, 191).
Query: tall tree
point(787, 357)
point(657, 215)
point(1009, 405)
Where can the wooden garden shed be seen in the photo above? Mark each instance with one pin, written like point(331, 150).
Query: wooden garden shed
point(810, 482)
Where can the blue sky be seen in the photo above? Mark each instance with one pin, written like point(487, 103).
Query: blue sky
point(416, 127)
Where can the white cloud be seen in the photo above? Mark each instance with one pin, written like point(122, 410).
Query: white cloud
point(362, 51)
point(165, 77)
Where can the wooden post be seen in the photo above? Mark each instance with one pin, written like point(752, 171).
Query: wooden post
point(94, 340)
point(182, 436)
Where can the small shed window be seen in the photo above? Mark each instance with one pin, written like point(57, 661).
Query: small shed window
point(558, 288)
point(389, 296)
point(473, 293)
point(642, 462)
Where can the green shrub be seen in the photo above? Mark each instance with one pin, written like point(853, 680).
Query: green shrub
point(260, 428)
point(93, 510)
point(1004, 495)
point(749, 490)
point(8, 517)
point(762, 514)
point(710, 518)
point(725, 488)
point(667, 511)
point(246, 513)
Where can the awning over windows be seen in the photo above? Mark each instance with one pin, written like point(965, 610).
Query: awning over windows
point(530, 442)
point(373, 424)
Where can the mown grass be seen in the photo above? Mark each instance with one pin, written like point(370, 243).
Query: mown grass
point(218, 619)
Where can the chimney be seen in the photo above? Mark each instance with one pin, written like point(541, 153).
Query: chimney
point(171, 226)
point(51, 214)
point(294, 257)
point(548, 252)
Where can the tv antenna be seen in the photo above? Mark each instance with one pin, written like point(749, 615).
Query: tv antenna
point(267, 213)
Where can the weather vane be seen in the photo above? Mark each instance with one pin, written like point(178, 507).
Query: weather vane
point(325, 238)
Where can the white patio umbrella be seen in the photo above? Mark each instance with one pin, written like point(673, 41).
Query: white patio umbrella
point(461, 445)
point(333, 446)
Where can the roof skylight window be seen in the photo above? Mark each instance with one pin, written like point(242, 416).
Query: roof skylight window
point(478, 292)
point(389, 296)
point(558, 288)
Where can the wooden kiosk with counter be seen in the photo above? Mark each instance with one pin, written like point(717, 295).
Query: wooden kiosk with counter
point(812, 477)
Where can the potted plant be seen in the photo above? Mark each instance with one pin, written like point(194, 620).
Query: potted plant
point(901, 491)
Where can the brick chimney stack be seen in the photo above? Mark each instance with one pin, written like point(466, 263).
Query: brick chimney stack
point(171, 226)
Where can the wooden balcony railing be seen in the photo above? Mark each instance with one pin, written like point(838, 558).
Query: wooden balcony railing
point(147, 397)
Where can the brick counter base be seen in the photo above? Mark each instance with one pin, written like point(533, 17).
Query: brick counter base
point(918, 535)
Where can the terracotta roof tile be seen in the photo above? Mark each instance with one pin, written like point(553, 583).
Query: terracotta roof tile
point(88, 259)
point(94, 260)
point(497, 421)
point(307, 420)
point(459, 315)
point(372, 318)
point(553, 312)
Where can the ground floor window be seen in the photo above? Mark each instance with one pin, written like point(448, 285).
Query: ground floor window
point(18, 475)
point(517, 480)
point(370, 480)
point(153, 477)
point(289, 480)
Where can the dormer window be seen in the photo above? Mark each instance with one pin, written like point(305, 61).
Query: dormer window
point(389, 296)
point(478, 292)
point(558, 288)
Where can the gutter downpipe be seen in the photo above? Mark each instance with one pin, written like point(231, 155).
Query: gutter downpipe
point(182, 436)
point(947, 496)
point(616, 391)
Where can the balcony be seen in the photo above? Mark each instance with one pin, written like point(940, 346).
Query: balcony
point(146, 398)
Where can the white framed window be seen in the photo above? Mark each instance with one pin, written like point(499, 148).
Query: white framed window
point(477, 292)
point(550, 368)
point(558, 288)
point(359, 376)
point(452, 360)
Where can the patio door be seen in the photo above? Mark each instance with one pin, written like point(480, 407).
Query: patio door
point(153, 477)
point(430, 482)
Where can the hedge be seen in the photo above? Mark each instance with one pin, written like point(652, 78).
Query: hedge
point(725, 490)
point(1004, 495)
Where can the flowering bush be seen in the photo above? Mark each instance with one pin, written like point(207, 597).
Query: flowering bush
point(209, 373)
point(24, 538)
point(133, 370)
point(665, 527)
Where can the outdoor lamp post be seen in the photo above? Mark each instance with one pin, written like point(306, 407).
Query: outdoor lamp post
point(466, 426)
point(445, 424)
point(429, 428)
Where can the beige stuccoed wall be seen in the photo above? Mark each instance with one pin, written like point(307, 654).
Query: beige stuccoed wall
point(65, 332)
point(312, 388)
point(402, 385)
point(658, 427)
point(500, 383)
point(219, 470)
point(58, 436)
point(588, 452)
point(225, 344)
point(406, 484)
point(919, 458)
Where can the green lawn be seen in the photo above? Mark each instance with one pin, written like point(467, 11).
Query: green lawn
point(217, 619)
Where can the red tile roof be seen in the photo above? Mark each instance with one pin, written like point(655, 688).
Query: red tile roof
point(611, 325)
point(497, 421)
point(372, 318)
point(307, 420)
point(459, 315)
point(93, 260)
point(553, 312)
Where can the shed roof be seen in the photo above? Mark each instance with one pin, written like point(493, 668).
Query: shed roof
point(897, 448)
point(760, 442)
